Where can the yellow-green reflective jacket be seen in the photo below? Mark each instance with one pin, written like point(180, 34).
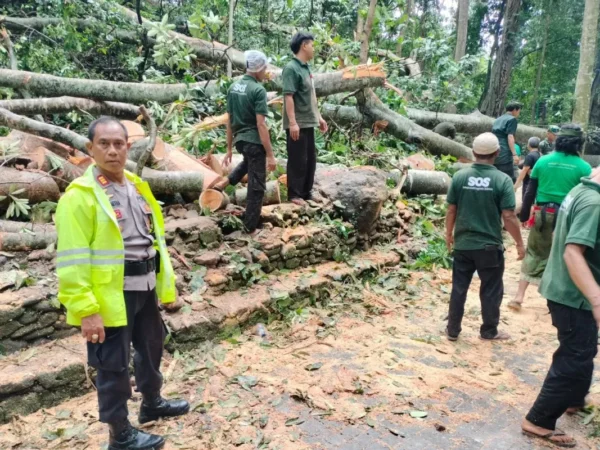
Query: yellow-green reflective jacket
point(90, 252)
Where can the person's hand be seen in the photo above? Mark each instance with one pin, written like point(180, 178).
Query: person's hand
point(323, 126)
point(228, 157)
point(515, 159)
point(92, 329)
point(173, 307)
point(294, 131)
point(515, 188)
point(596, 313)
point(449, 242)
point(520, 252)
point(271, 163)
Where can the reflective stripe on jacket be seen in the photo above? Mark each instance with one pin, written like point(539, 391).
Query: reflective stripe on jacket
point(90, 252)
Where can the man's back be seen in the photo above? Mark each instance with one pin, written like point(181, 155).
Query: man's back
point(558, 173)
point(480, 193)
point(503, 126)
point(246, 98)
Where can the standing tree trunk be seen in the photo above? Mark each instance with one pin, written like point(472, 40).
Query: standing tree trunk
point(587, 55)
point(230, 38)
point(542, 58)
point(462, 26)
point(493, 103)
point(595, 108)
point(493, 51)
point(366, 32)
point(405, 29)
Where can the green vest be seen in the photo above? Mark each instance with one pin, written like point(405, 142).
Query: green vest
point(91, 254)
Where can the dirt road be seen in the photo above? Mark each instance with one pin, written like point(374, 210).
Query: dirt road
point(374, 373)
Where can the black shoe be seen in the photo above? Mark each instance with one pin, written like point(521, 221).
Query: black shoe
point(155, 407)
point(122, 436)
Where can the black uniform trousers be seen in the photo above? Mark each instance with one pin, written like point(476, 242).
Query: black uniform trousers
point(508, 169)
point(255, 166)
point(570, 375)
point(111, 359)
point(489, 264)
point(301, 164)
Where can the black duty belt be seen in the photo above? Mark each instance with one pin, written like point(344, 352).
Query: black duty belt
point(552, 208)
point(136, 268)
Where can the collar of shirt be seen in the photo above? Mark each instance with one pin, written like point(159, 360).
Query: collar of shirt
point(587, 181)
point(302, 63)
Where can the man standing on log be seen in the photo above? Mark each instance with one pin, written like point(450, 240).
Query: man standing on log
point(547, 145)
point(300, 118)
point(247, 129)
point(113, 266)
point(552, 178)
point(505, 128)
point(479, 199)
point(570, 284)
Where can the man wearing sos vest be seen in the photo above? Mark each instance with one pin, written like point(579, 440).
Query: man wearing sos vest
point(113, 267)
point(479, 199)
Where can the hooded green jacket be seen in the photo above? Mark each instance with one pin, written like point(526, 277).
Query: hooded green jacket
point(90, 252)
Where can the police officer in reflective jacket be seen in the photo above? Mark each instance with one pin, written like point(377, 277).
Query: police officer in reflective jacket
point(113, 267)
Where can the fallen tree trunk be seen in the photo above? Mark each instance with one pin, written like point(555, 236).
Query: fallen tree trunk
point(213, 200)
point(12, 226)
point(24, 242)
point(472, 124)
point(21, 123)
point(396, 125)
point(37, 186)
point(422, 181)
point(272, 195)
point(170, 183)
point(349, 79)
point(60, 105)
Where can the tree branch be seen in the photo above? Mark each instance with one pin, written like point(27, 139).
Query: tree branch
point(151, 141)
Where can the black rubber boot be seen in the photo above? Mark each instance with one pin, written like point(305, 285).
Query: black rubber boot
point(154, 407)
point(122, 436)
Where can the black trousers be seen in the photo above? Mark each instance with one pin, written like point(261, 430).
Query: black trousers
point(302, 164)
point(111, 359)
point(489, 264)
point(255, 165)
point(508, 169)
point(570, 375)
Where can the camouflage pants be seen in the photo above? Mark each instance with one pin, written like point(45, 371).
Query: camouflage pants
point(539, 245)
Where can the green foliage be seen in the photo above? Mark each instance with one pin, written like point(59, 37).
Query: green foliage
point(435, 255)
point(17, 207)
point(169, 51)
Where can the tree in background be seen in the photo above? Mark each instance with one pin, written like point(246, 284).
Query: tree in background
point(462, 24)
point(587, 58)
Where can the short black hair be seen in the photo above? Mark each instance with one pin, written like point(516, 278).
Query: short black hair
point(103, 120)
point(571, 145)
point(534, 142)
point(299, 39)
point(514, 106)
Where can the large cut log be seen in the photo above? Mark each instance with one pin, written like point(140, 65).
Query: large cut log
point(37, 186)
point(24, 242)
point(213, 200)
point(170, 183)
point(169, 158)
point(472, 124)
point(396, 125)
point(17, 122)
point(60, 105)
point(272, 195)
point(12, 226)
point(349, 79)
point(422, 181)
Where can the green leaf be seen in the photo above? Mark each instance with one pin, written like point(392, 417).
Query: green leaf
point(289, 3)
point(314, 366)
point(418, 414)
point(370, 422)
point(294, 421)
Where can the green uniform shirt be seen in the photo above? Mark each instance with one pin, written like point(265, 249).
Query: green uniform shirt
point(298, 81)
point(480, 193)
point(502, 127)
point(578, 222)
point(246, 98)
point(558, 173)
point(546, 147)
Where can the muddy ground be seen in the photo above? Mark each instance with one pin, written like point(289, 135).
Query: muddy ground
point(370, 373)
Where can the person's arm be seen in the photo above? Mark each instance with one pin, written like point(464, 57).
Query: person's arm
point(582, 276)
point(513, 150)
point(512, 225)
point(450, 222)
point(229, 156)
point(529, 199)
point(524, 171)
point(265, 139)
point(290, 87)
point(322, 124)
point(291, 113)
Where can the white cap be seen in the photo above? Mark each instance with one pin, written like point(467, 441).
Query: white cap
point(255, 61)
point(486, 144)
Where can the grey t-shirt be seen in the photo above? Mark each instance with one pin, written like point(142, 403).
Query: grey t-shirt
point(135, 222)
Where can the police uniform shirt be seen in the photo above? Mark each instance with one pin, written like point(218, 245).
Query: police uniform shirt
point(134, 217)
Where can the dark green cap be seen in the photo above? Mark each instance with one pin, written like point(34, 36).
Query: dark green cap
point(554, 129)
point(570, 132)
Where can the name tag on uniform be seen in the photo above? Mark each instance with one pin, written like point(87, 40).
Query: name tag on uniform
point(102, 180)
point(118, 214)
point(114, 203)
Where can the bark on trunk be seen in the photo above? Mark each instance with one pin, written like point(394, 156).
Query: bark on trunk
point(60, 105)
point(472, 124)
point(24, 242)
point(38, 186)
point(366, 32)
point(272, 195)
point(349, 79)
point(170, 183)
point(542, 58)
point(425, 182)
point(595, 107)
point(587, 55)
point(462, 25)
point(11, 226)
point(397, 125)
point(16, 122)
point(494, 101)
